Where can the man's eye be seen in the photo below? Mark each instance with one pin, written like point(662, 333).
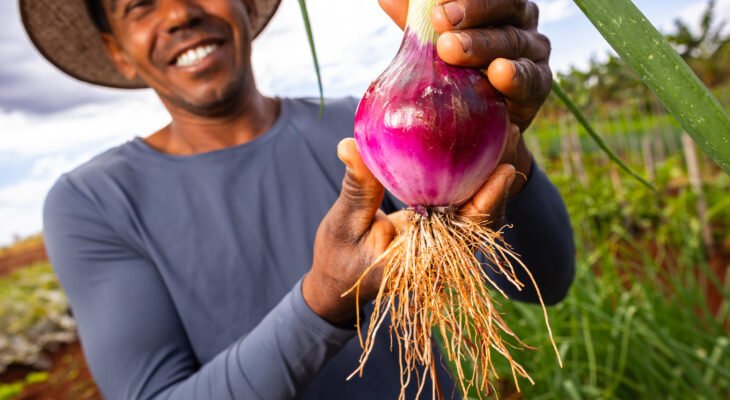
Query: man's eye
point(136, 4)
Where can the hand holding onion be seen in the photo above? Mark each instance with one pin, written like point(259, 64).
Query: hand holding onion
point(355, 232)
point(433, 129)
point(499, 36)
point(433, 132)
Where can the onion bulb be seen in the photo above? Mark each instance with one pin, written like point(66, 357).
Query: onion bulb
point(432, 134)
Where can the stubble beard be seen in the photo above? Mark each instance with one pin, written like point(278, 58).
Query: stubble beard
point(221, 104)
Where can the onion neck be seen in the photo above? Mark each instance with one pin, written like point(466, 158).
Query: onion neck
point(419, 20)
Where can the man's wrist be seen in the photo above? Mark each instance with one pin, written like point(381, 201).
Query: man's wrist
point(317, 296)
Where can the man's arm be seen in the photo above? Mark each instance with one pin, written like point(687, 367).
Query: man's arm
point(133, 339)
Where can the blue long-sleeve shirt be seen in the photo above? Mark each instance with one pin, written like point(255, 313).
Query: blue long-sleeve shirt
point(184, 272)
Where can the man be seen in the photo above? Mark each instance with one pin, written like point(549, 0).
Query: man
point(207, 260)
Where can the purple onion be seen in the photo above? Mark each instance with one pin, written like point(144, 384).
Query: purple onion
point(432, 133)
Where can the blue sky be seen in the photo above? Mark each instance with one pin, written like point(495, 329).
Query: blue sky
point(50, 123)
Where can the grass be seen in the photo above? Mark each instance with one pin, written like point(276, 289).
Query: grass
point(34, 314)
point(636, 323)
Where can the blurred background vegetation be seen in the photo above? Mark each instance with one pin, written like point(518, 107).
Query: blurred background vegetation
point(648, 316)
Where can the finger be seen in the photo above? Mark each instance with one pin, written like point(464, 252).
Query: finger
point(399, 220)
point(525, 85)
point(378, 239)
point(382, 232)
point(397, 10)
point(489, 202)
point(478, 48)
point(467, 14)
point(509, 154)
point(521, 80)
point(361, 193)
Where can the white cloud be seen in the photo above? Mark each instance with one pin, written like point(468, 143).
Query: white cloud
point(355, 42)
point(556, 10)
point(86, 125)
point(59, 142)
point(20, 208)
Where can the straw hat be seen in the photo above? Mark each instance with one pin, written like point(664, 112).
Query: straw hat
point(65, 34)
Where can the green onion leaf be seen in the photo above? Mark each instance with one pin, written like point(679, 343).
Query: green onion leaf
point(643, 48)
point(310, 38)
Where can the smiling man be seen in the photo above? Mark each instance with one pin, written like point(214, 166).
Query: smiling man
point(207, 260)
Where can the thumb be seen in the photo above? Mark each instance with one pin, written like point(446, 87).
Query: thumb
point(361, 193)
point(490, 200)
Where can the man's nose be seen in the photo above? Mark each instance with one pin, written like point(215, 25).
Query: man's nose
point(180, 14)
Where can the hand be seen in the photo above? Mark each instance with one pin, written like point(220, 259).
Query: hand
point(355, 232)
point(499, 36)
point(350, 237)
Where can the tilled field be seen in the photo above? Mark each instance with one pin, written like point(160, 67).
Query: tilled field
point(68, 377)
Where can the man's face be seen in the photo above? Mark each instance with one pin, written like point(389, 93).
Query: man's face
point(194, 53)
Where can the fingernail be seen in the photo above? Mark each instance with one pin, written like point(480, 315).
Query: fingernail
point(465, 41)
point(341, 155)
point(454, 12)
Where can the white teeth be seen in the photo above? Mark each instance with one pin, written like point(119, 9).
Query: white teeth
point(194, 56)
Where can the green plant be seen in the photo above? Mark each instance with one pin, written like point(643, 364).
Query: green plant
point(9, 391)
point(643, 48)
point(34, 314)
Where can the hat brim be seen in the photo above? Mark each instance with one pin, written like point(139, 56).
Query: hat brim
point(64, 33)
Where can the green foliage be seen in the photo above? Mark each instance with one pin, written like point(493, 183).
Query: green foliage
point(10, 390)
point(34, 314)
point(642, 47)
point(606, 84)
point(558, 91)
point(706, 43)
point(636, 323)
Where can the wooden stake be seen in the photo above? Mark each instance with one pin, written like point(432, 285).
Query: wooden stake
point(695, 180)
point(648, 158)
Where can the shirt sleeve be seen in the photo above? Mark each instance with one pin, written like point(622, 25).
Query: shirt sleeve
point(133, 339)
point(540, 232)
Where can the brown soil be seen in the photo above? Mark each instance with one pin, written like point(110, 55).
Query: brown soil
point(68, 378)
point(11, 261)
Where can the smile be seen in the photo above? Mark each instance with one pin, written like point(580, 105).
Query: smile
point(195, 55)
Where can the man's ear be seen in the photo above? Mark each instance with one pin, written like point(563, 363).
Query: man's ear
point(118, 57)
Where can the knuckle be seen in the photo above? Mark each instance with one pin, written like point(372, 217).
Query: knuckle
point(514, 40)
point(543, 45)
point(546, 82)
point(532, 14)
point(538, 80)
point(531, 75)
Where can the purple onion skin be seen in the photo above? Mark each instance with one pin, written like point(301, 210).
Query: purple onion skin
point(430, 132)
